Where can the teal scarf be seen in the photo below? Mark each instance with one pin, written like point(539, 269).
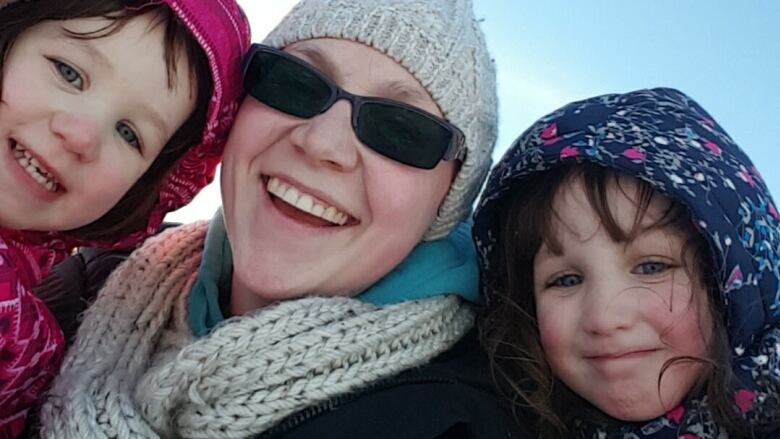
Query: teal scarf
point(445, 266)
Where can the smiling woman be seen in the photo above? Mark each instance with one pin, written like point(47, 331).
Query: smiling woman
point(332, 295)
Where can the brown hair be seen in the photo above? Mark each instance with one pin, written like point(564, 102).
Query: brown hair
point(131, 212)
point(509, 329)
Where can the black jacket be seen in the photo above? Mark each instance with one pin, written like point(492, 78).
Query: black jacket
point(450, 398)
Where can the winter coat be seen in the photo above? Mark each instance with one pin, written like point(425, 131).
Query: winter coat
point(665, 138)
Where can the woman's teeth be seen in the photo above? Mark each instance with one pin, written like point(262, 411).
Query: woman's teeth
point(36, 171)
point(305, 202)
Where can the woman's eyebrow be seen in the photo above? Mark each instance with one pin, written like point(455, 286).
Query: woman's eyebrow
point(401, 91)
point(316, 58)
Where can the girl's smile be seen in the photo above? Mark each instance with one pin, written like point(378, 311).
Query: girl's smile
point(82, 119)
point(612, 314)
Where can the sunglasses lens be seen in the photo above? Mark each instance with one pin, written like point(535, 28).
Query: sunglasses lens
point(285, 85)
point(403, 135)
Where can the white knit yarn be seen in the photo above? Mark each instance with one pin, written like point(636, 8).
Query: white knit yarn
point(440, 43)
point(137, 372)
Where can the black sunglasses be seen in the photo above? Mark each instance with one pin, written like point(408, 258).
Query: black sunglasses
point(396, 130)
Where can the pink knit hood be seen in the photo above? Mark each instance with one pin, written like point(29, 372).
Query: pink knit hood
point(223, 32)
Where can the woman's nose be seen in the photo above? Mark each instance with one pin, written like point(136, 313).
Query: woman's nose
point(328, 138)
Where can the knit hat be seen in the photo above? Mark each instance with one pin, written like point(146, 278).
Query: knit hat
point(440, 43)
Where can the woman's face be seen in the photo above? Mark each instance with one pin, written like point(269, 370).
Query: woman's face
point(309, 209)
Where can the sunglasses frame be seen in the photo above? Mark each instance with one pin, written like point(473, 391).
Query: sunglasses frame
point(456, 150)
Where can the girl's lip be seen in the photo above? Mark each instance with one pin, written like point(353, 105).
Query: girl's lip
point(620, 355)
point(35, 188)
point(49, 169)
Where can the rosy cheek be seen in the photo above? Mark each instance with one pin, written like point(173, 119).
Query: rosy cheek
point(551, 335)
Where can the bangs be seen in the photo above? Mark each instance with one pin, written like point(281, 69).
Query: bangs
point(178, 44)
point(539, 218)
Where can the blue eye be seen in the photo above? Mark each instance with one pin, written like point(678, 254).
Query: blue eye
point(566, 281)
point(69, 74)
point(128, 135)
point(652, 267)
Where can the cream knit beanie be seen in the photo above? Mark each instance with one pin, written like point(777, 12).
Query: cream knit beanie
point(441, 44)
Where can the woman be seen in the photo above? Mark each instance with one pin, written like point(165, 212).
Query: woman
point(326, 194)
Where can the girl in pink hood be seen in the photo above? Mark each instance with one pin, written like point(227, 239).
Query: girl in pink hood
point(112, 113)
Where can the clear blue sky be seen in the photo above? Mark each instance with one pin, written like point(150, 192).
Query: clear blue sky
point(724, 54)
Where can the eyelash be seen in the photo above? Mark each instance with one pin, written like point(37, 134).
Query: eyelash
point(136, 141)
point(557, 282)
point(63, 69)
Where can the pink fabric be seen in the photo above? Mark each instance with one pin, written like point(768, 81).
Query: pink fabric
point(31, 342)
point(221, 28)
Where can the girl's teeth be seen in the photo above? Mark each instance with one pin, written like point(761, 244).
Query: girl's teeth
point(33, 167)
point(305, 202)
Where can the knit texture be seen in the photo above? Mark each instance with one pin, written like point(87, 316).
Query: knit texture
point(136, 371)
point(440, 43)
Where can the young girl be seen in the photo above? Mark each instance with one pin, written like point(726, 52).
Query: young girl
point(113, 112)
point(629, 251)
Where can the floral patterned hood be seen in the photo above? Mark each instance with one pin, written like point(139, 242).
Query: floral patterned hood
point(222, 30)
point(665, 138)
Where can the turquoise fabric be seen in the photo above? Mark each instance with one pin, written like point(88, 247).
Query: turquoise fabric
point(214, 274)
point(445, 266)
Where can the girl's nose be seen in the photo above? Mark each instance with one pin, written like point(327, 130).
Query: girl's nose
point(328, 139)
point(79, 134)
point(609, 308)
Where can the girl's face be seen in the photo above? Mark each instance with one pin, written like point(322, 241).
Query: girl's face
point(82, 119)
point(380, 208)
point(612, 313)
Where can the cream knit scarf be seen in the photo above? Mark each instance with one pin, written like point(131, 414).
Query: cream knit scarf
point(136, 371)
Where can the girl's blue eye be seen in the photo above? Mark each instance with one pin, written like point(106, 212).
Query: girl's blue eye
point(653, 267)
point(69, 74)
point(128, 135)
point(566, 281)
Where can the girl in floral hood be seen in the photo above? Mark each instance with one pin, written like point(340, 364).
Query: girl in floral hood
point(113, 113)
point(629, 251)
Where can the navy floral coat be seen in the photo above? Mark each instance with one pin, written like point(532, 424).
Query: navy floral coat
point(665, 138)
